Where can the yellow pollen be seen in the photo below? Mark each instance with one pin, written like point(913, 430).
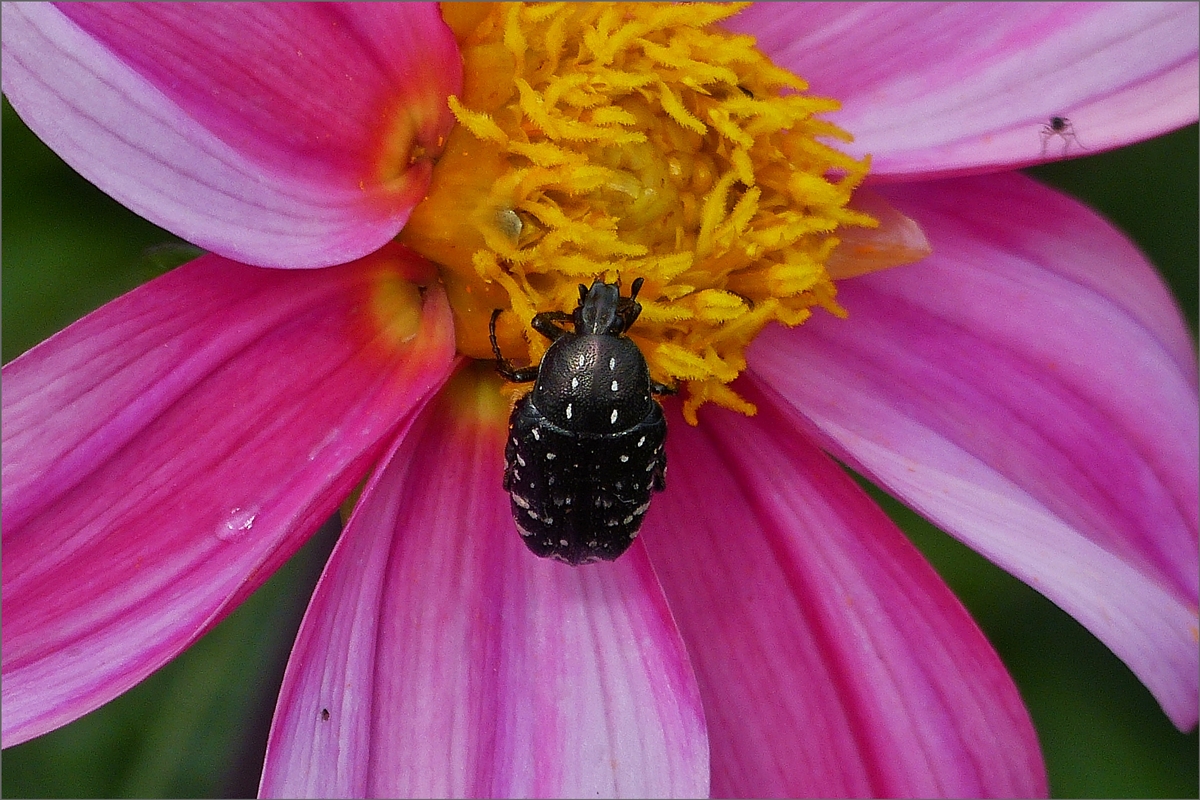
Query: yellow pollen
point(618, 141)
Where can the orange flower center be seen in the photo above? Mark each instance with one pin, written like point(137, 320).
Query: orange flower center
point(619, 141)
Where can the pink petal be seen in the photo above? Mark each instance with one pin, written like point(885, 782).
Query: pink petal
point(162, 456)
point(278, 134)
point(453, 662)
point(831, 658)
point(1032, 389)
point(952, 88)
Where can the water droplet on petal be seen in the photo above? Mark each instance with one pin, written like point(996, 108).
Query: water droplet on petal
point(237, 524)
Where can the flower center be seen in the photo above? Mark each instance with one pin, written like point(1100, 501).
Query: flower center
point(624, 141)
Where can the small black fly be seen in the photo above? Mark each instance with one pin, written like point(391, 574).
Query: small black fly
point(1063, 129)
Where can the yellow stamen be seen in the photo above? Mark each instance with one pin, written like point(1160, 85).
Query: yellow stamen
point(618, 141)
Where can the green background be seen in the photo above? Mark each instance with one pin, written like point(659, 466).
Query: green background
point(198, 726)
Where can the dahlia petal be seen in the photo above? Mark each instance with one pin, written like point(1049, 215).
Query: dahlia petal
point(1031, 388)
point(954, 88)
point(897, 240)
point(162, 456)
point(440, 658)
point(275, 134)
point(832, 659)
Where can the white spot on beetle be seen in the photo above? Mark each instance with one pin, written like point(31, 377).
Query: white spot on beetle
point(641, 441)
point(612, 364)
point(568, 410)
point(521, 501)
point(614, 385)
point(550, 456)
point(574, 383)
point(627, 520)
point(563, 542)
point(537, 436)
point(613, 418)
point(520, 460)
point(624, 459)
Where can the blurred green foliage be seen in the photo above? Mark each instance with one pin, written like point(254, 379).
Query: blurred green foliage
point(198, 726)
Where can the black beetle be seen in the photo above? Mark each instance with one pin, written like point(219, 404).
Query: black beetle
point(585, 447)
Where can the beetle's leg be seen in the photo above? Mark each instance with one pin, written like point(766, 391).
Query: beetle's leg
point(503, 365)
point(658, 476)
point(543, 323)
point(662, 388)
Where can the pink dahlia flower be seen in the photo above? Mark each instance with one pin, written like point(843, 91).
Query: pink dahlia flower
point(371, 180)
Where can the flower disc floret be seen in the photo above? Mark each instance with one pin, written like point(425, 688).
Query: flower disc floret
point(602, 141)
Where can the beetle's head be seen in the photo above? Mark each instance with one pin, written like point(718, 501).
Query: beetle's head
point(602, 310)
